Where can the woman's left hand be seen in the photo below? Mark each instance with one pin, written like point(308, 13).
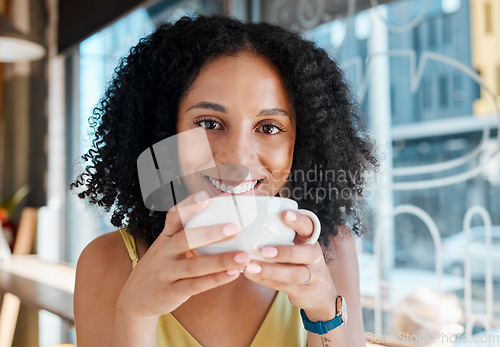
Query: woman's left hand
point(298, 270)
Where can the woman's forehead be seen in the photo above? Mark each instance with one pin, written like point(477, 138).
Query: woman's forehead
point(245, 76)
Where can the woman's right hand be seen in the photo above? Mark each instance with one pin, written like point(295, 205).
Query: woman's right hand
point(165, 277)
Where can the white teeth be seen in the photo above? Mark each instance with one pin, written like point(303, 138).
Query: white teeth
point(242, 188)
point(214, 182)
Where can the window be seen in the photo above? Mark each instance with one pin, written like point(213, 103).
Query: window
point(458, 88)
point(98, 56)
point(393, 101)
point(447, 30)
point(478, 88)
point(431, 33)
point(416, 39)
point(426, 94)
point(443, 91)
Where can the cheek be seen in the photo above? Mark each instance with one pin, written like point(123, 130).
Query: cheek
point(279, 161)
point(194, 152)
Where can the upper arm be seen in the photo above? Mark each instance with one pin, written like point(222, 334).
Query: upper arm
point(344, 270)
point(102, 269)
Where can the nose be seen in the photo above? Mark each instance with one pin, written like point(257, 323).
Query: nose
point(236, 147)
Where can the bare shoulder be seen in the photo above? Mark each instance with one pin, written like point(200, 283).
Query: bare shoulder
point(103, 268)
point(105, 258)
point(105, 246)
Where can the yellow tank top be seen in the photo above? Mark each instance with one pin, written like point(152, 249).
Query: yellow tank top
point(282, 326)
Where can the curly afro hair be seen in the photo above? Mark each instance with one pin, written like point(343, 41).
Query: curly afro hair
point(140, 108)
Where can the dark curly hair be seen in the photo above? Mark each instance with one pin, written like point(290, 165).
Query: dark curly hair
point(140, 108)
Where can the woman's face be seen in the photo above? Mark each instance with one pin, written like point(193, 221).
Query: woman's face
point(244, 107)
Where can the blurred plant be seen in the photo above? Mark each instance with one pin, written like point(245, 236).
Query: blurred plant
point(7, 208)
point(9, 205)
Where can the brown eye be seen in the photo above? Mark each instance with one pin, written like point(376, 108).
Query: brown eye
point(270, 129)
point(208, 124)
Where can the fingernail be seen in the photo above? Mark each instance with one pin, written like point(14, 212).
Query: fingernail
point(201, 196)
point(232, 272)
point(269, 252)
point(242, 258)
point(290, 216)
point(230, 229)
point(253, 268)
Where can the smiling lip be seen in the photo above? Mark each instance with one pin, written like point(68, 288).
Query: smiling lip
point(225, 188)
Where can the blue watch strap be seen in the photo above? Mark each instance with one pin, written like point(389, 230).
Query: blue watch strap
point(320, 328)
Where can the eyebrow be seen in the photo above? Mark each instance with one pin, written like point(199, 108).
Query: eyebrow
point(210, 106)
point(219, 108)
point(273, 112)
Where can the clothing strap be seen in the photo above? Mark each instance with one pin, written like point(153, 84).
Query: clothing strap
point(131, 247)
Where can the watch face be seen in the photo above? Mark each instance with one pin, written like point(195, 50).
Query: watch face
point(344, 311)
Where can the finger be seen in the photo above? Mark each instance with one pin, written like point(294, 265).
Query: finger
point(279, 276)
point(197, 285)
point(202, 236)
point(302, 225)
point(179, 214)
point(192, 238)
point(295, 254)
point(203, 265)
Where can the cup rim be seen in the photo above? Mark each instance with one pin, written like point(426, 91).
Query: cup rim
point(259, 197)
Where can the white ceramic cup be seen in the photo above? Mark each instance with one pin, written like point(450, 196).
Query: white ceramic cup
point(259, 219)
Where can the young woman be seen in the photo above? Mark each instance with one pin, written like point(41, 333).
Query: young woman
point(269, 101)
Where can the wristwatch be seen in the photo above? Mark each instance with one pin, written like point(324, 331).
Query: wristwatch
point(324, 327)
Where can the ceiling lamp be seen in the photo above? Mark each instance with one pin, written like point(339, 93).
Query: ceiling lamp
point(16, 46)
